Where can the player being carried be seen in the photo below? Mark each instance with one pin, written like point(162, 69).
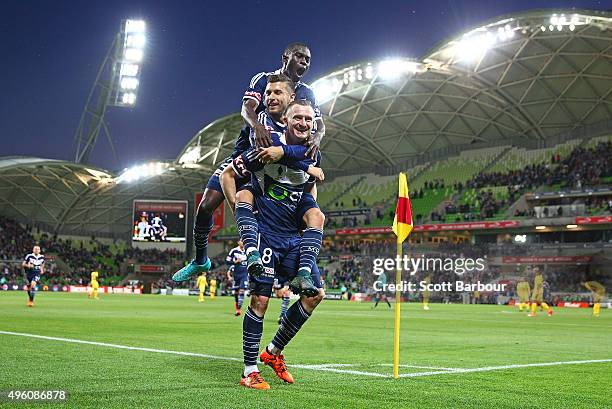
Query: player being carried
point(281, 198)
point(237, 272)
point(278, 96)
point(34, 265)
point(295, 64)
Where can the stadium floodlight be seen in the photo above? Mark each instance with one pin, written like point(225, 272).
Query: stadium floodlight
point(472, 47)
point(129, 98)
point(133, 54)
point(393, 69)
point(135, 26)
point(369, 72)
point(572, 226)
point(553, 20)
point(129, 70)
point(141, 172)
point(325, 89)
point(116, 85)
point(135, 40)
point(572, 27)
point(540, 227)
point(129, 83)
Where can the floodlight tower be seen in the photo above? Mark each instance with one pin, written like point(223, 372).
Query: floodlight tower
point(116, 85)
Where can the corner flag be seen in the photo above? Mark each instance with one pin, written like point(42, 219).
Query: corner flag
point(402, 226)
point(402, 223)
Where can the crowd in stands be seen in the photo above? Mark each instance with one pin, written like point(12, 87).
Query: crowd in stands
point(583, 167)
point(78, 258)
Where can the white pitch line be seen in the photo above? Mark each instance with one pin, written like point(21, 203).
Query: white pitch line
point(424, 367)
point(497, 368)
point(327, 368)
point(104, 344)
point(320, 367)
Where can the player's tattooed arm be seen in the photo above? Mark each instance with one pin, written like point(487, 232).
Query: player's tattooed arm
point(314, 141)
point(249, 114)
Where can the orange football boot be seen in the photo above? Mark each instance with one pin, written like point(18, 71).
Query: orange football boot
point(30, 304)
point(255, 381)
point(277, 363)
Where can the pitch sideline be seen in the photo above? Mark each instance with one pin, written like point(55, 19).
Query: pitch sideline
point(320, 367)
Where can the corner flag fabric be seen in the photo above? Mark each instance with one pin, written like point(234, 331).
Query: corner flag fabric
point(402, 223)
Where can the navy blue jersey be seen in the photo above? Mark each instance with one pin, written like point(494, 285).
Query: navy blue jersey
point(36, 261)
point(266, 120)
point(257, 88)
point(256, 91)
point(278, 191)
point(238, 259)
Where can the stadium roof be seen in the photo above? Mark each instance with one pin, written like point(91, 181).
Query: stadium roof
point(513, 80)
point(71, 198)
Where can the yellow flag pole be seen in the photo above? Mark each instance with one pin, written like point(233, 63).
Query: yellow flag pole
point(396, 329)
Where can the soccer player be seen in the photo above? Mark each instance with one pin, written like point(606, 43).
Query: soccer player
point(95, 285)
point(295, 63)
point(281, 199)
point(382, 295)
point(159, 231)
point(537, 296)
point(213, 287)
point(34, 265)
point(143, 228)
point(236, 259)
point(201, 285)
point(523, 290)
point(598, 292)
point(278, 95)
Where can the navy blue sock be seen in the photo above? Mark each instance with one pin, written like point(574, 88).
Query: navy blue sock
point(247, 226)
point(290, 325)
point(201, 230)
point(284, 305)
point(240, 300)
point(252, 328)
point(310, 247)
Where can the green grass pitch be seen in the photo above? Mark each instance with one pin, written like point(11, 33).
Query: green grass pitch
point(448, 336)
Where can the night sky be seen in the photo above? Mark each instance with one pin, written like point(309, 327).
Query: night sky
point(199, 57)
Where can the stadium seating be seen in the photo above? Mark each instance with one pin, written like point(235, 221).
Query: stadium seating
point(518, 158)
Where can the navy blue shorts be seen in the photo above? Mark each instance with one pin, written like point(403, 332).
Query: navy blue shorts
point(33, 277)
point(214, 182)
point(281, 260)
point(241, 281)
